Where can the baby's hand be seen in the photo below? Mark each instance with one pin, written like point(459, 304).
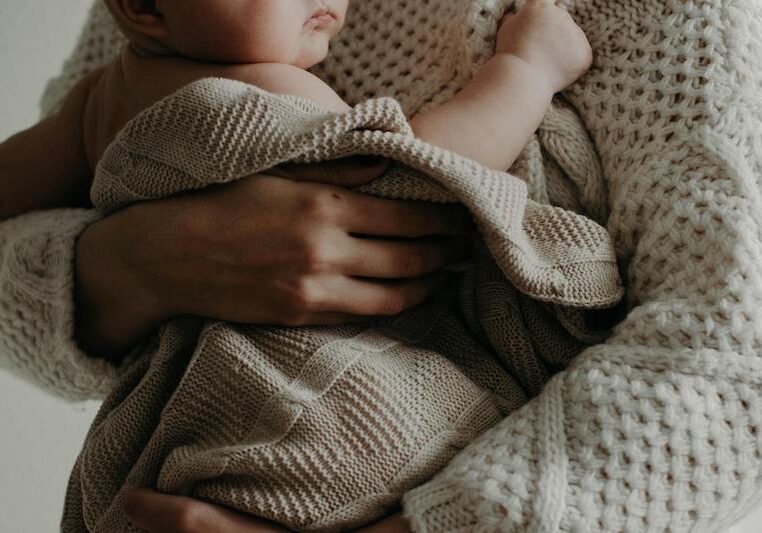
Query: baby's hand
point(546, 37)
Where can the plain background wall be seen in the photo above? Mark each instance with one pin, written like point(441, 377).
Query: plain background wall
point(40, 436)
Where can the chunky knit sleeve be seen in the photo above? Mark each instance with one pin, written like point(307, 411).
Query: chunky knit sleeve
point(36, 262)
point(660, 427)
point(37, 305)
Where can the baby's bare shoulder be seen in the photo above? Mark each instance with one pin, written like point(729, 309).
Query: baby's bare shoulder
point(286, 79)
point(167, 75)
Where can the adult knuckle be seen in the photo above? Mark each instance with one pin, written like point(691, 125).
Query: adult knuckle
point(319, 206)
point(314, 256)
point(189, 519)
point(303, 296)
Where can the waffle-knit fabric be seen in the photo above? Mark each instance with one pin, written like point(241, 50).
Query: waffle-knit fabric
point(326, 428)
point(37, 305)
point(659, 428)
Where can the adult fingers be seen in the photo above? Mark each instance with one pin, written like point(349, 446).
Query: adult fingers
point(382, 258)
point(162, 513)
point(362, 297)
point(368, 215)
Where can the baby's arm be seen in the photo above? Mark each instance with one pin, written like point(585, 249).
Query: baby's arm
point(492, 119)
point(539, 51)
point(46, 165)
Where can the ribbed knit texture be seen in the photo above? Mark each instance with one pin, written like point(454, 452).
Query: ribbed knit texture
point(659, 428)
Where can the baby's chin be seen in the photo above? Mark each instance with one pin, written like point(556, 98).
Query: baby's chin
point(312, 54)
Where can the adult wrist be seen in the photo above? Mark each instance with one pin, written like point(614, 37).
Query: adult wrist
point(114, 309)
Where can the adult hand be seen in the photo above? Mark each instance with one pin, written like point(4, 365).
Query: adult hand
point(262, 250)
point(161, 513)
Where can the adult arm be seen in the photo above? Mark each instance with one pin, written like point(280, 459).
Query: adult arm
point(164, 513)
point(70, 281)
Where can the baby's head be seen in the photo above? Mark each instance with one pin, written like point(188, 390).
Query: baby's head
point(294, 32)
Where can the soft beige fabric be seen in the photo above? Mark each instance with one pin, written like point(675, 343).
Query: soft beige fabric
point(326, 428)
point(659, 428)
point(37, 305)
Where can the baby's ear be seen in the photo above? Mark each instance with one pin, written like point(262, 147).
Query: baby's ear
point(141, 16)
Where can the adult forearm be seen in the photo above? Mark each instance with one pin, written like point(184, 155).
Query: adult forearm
point(492, 119)
point(114, 309)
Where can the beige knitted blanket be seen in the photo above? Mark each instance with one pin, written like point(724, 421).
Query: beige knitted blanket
point(326, 428)
point(660, 427)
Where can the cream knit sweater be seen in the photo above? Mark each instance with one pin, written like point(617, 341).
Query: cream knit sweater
point(659, 427)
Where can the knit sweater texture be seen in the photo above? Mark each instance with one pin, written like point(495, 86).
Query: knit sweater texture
point(657, 428)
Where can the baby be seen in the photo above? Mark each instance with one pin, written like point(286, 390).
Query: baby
point(270, 44)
